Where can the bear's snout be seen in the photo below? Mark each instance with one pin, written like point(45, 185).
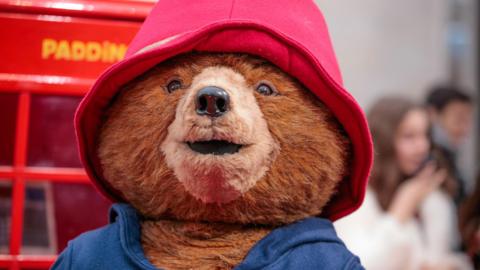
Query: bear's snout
point(212, 101)
point(219, 144)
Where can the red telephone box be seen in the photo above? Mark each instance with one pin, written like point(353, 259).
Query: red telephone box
point(51, 52)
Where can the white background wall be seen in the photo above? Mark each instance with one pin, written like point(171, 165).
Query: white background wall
point(389, 47)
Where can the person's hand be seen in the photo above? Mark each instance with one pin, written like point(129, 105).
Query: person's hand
point(412, 192)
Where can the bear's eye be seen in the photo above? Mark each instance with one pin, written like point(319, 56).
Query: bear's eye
point(265, 89)
point(174, 85)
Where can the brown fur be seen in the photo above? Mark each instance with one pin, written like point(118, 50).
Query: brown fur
point(313, 158)
point(220, 178)
point(187, 245)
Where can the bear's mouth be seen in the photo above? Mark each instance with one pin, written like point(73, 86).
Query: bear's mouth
point(214, 147)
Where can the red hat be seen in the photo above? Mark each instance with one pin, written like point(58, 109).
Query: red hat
point(291, 34)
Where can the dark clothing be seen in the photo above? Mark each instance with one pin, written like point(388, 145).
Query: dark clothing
point(308, 244)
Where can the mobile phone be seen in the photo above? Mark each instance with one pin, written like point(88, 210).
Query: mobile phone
point(424, 163)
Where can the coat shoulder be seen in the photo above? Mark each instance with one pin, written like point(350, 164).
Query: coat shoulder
point(318, 256)
point(89, 250)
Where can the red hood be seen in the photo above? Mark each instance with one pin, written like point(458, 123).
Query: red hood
point(291, 34)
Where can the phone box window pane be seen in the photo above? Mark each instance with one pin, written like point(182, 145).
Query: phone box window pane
point(58, 212)
point(5, 215)
point(38, 228)
point(52, 136)
point(8, 117)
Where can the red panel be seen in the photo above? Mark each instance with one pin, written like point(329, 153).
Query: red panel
point(26, 261)
point(62, 46)
point(107, 9)
point(52, 136)
point(64, 175)
point(19, 183)
point(8, 111)
point(44, 84)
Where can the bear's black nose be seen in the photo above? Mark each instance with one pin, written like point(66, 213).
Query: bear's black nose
point(212, 101)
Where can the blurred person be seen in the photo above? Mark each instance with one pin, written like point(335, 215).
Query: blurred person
point(451, 111)
point(470, 224)
point(406, 221)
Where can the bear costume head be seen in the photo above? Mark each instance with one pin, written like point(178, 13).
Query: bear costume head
point(225, 113)
point(222, 137)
